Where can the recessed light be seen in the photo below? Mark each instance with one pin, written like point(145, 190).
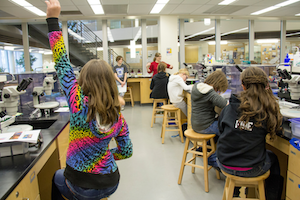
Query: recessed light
point(226, 2)
point(97, 9)
point(279, 5)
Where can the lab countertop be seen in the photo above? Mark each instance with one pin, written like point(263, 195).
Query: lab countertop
point(13, 169)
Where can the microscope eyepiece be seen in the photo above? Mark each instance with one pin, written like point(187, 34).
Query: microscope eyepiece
point(24, 84)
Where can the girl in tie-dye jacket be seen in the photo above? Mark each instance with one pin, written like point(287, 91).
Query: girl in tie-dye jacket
point(95, 119)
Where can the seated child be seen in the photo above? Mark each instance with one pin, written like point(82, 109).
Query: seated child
point(243, 126)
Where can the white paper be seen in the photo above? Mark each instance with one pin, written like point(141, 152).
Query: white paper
point(63, 109)
point(22, 136)
point(122, 89)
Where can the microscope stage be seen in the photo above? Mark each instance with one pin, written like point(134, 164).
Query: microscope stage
point(47, 105)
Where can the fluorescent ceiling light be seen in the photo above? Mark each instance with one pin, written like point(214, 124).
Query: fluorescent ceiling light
point(21, 2)
point(138, 35)
point(291, 34)
point(285, 3)
point(97, 9)
point(214, 42)
point(160, 4)
point(157, 8)
point(226, 2)
point(9, 48)
point(29, 7)
point(268, 41)
point(132, 49)
point(94, 2)
point(206, 21)
point(35, 10)
point(75, 34)
point(199, 33)
point(109, 35)
point(297, 14)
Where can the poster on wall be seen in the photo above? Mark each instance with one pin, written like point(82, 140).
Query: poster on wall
point(169, 51)
point(151, 55)
point(133, 60)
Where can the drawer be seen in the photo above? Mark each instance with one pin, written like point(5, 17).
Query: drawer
point(294, 160)
point(293, 186)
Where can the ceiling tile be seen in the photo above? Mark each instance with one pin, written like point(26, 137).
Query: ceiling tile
point(248, 10)
point(5, 14)
point(143, 9)
point(67, 2)
point(168, 9)
point(86, 10)
point(36, 2)
point(80, 2)
point(68, 8)
point(245, 2)
point(214, 2)
point(202, 9)
point(185, 9)
point(175, 1)
point(269, 2)
point(112, 2)
point(202, 2)
point(285, 11)
point(142, 2)
point(20, 12)
point(6, 3)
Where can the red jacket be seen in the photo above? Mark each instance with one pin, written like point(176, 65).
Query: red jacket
point(153, 67)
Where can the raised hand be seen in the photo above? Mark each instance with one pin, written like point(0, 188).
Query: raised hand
point(53, 8)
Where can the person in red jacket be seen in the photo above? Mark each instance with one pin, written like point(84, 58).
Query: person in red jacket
point(152, 67)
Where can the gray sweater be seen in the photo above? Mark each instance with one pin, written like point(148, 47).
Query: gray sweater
point(204, 99)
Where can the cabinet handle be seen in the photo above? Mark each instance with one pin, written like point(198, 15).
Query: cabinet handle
point(32, 176)
point(17, 194)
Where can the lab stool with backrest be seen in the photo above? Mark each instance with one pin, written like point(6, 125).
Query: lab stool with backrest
point(172, 118)
point(237, 181)
point(157, 109)
point(198, 140)
point(128, 95)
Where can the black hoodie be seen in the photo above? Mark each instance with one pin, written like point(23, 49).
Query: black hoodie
point(236, 147)
point(159, 86)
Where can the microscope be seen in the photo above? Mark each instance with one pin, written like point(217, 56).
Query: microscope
point(48, 85)
point(11, 96)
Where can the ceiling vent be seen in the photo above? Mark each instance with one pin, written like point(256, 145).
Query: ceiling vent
point(224, 10)
point(71, 12)
point(115, 9)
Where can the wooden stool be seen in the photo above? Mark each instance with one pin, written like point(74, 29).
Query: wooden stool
point(168, 110)
point(130, 95)
point(157, 109)
point(195, 137)
point(237, 181)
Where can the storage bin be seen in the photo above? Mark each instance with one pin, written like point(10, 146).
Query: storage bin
point(295, 127)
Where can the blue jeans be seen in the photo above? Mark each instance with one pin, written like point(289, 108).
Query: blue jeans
point(61, 186)
point(212, 129)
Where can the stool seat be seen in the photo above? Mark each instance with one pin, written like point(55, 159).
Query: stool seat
point(198, 136)
point(195, 137)
point(167, 120)
point(169, 108)
point(237, 181)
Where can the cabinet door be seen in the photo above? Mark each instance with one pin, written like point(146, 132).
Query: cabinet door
point(63, 144)
point(27, 189)
point(145, 90)
point(293, 186)
point(294, 160)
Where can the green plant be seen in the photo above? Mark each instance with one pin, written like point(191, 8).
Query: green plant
point(21, 61)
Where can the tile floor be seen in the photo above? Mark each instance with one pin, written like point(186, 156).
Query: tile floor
point(152, 172)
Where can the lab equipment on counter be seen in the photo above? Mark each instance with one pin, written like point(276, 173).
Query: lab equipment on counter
point(11, 96)
point(47, 87)
point(295, 127)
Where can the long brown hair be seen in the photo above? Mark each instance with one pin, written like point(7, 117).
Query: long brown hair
point(218, 80)
point(97, 81)
point(156, 55)
point(258, 101)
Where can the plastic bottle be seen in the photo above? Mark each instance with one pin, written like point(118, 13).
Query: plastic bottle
point(287, 59)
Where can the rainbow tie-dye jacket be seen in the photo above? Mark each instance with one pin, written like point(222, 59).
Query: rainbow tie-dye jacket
point(90, 162)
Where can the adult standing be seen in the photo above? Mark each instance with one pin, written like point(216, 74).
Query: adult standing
point(152, 67)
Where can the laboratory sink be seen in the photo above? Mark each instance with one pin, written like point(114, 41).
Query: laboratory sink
point(37, 124)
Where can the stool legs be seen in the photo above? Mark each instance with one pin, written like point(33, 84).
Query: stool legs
point(261, 189)
point(225, 192)
point(205, 164)
point(183, 160)
point(179, 124)
point(230, 189)
point(153, 114)
point(213, 146)
point(163, 130)
point(194, 157)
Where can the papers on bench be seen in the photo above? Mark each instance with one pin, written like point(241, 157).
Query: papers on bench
point(22, 136)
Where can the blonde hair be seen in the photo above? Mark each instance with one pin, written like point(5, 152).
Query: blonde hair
point(218, 80)
point(183, 71)
point(156, 55)
point(258, 101)
point(97, 81)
